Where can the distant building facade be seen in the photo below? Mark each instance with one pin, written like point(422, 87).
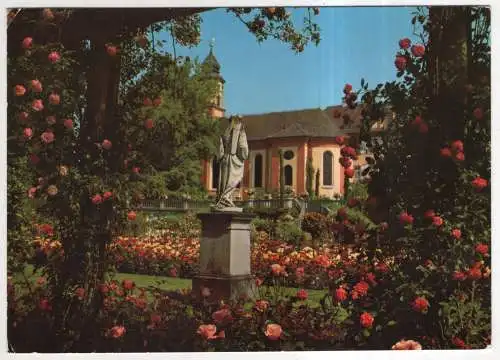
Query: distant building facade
point(301, 135)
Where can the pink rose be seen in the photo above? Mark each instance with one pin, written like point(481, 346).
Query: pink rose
point(96, 199)
point(106, 144)
point(404, 43)
point(37, 105)
point(28, 133)
point(400, 62)
point(148, 124)
point(23, 116)
point(32, 192)
point(19, 90)
point(407, 345)
point(54, 99)
point(68, 123)
point(27, 43)
point(47, 137)
point(54, 57)
point(116, 331)
point(418, 50)
point(36, 86)
point(207, 331)
point(273, 331)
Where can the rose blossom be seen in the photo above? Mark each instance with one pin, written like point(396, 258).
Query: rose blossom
point(474, 273)
point(45, 305)
point(404, 43)
point(347, 88)
point(420, 304)
point(27, 43)
point(157, 101)
point(407, 345)
point(106, 144)
point(459, 275)
point(456, 233)
point(80, 293)
point(418, 50)
point(457, 145)
point(261, 305)
point(34, 159)
point(405, 218)
point(54, 57)
point(131, 215)
point(28, 133)
point(460, 156)
point(437, 221)
point(340, 294)
point(36, 86)
point(366, 319)
point(111, 50)
point(116, 331)
point(339, 140)
point(63, 170)
point(302, 294)
point(207, 331)
point(47, 137)
point(136, 170)
point(31, 192)
point(221, 316)
point(277, 269)
point(68, 123)
point(37, 105)
point(400, 62)
point(128, 284)
point(96, 199)
point(445, 152)
point(273, 331)
point(19, 90)
point(479, 183)
point(360, 290)
point(482, 249)
point(147, 102)
point(107, 195)
point(52, 190)
point(54, 99)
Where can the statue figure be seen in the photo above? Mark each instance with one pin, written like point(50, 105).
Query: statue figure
point(232, 154)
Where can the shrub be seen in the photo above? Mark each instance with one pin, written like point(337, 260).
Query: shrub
point(317, 224)
point(289, 232)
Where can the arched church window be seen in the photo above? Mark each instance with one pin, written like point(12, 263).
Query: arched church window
point(257, 174)
point(288, 170)
point(327, 168)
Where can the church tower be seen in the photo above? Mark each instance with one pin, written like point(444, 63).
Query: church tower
point(213, 68)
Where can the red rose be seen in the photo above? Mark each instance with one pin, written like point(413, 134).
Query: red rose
point(37, 105)
point(459, 343)
point(116, 332)
point(418, 50)
point(273, 331)
point(339, 140)
point(360, 290)
point(148, 124)
point(437, 221)
point(261, 305)
point(478, 113)
point(347, 88)
point(96, 199)
point(404, 43)
point(405, 218)
point(340, 294)
point(136, 170)
point(460, 156)
point(302, 294)
point(27, 43)
point(36, 86)
point(457, 146)
point(349, 173)
point(28, 133)
point(157, 101)
point(429, 214)
point(23, 116)
point(44, 305)
point(366, 319)
point(420, 304)
point(68, 123)
point(106, 144)
point(128, 284)
point(54, 57)
point(482, 249)
point(111, 50)
point(147, 102)
point(54, 99)
point(456, 233)
point(19, 90)
point(400, 62)
point(221, 316)
point(47, 137)
point(479, 183)
point(131, 215)
point(460, 276)
point(474, 273)
point(107, 195)
point(345, 162)
point(445, 152)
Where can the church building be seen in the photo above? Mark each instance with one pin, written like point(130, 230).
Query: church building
point(300, 135)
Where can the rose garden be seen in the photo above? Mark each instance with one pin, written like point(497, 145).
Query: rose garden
point(99, 120)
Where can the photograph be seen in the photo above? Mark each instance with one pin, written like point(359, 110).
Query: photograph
point(248, 179)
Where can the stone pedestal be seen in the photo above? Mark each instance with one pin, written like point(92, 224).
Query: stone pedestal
point(225, 255)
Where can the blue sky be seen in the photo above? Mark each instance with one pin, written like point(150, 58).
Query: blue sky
point(355, 43)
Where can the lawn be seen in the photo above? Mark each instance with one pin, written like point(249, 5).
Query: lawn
point(169, 283)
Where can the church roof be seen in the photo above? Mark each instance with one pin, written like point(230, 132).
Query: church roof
point(212, 64)
point(329, 122)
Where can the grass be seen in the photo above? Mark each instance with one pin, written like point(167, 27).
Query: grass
point(170, 283)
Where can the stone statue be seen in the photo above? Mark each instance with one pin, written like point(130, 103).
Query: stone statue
point(232, 154)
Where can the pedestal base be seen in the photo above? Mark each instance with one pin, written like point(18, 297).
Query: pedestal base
point(225, 288)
